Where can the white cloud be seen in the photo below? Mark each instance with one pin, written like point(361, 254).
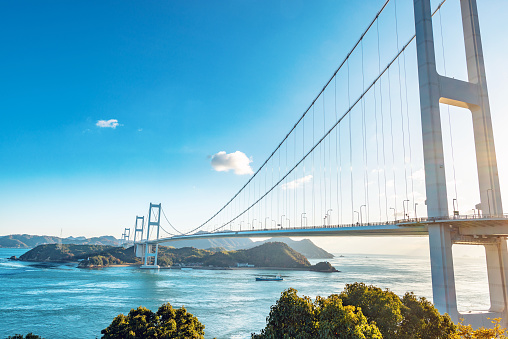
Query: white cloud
point(237, 161)
point(419, 175)
point(111, 123)
point(296, 183)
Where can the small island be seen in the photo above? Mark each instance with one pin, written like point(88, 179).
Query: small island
point(268, 255)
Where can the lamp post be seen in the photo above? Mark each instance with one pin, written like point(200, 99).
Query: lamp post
point(289, 223)
point(416, 204)
point(358, 216)
point(329, 216)
point(241, 225)
point(265, 221)
point(275, 223)
point(253, 223)
point(324, 220)
point(394, 214)
point(361, 219)
point(301, 218)
point(404, 207)
point(281, 220)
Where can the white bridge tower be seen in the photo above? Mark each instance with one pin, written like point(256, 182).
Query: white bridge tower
point(472, 95)
point(144, 248)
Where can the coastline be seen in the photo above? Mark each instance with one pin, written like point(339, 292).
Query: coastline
point(308, 269)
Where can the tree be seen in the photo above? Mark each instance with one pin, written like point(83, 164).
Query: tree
point(383, 307)
point(298, 317)
point(338, 321)
point(423, 320)
point(166, 323)
point(291, 317)
point(467, 332)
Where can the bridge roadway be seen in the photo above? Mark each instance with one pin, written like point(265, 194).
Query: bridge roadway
point(482, 227)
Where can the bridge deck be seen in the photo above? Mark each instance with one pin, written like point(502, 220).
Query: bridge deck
point(411, 227)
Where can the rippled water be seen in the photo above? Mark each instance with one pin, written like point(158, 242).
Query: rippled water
point(61, 301)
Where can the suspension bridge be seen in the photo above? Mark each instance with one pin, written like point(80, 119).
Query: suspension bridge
point(349, 165)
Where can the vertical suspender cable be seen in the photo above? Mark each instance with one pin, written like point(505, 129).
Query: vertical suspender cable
point(401, 105)
point(337, 131)
point(391, 133)
point(350, 147)
point(449, 115)
point(364, 142)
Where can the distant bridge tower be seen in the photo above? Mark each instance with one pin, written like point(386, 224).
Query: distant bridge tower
point(151, 250)
point(127, 234)
point(473, 95)
point(138, 229)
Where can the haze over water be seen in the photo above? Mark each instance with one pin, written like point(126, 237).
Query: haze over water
point(61, 301)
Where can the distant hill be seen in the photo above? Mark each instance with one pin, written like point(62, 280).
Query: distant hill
point(305, 246)
point(228, 244)
point(30, 241)
point(272, 254)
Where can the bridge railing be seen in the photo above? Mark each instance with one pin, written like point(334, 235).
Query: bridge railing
point(403, 222)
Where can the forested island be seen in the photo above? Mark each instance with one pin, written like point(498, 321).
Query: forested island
point(269, 255)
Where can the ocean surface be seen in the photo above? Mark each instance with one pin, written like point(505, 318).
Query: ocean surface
point(61, 301)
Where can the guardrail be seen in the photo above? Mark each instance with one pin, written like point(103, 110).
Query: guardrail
point(402, 222)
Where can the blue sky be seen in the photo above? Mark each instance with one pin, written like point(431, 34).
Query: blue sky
point(184, 80)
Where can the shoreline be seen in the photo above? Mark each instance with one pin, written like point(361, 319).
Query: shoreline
point(184, 267)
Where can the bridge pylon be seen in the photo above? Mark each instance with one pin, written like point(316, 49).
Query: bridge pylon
point(149, 250)
point(472, 95)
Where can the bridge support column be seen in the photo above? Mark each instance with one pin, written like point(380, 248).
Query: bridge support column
point(472, 95)
point(443, 279)
point(497, 271)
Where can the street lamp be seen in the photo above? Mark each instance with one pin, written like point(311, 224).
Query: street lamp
point(265, 221)
point(301, 218)
point(361, 219)
point(416, 204)
point(253, 223)
point(394, 214)
point(404, 207)
point(241, 225)
point(275, 223)
point(358, 216)
point(324, 220)
point(281, 220)
point(289, 223)
point(329, 216)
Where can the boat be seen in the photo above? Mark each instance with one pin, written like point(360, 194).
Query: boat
point(276, 278)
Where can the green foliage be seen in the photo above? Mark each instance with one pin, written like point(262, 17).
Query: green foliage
point(266, 255)
point(166, 323)
point(291, 317)
point(380, 306)
point(298, 317)
point(423, 320)
point(467, 332)
point(339, 321)
point(361, 311)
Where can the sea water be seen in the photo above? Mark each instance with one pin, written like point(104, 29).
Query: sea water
point(62, 301)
